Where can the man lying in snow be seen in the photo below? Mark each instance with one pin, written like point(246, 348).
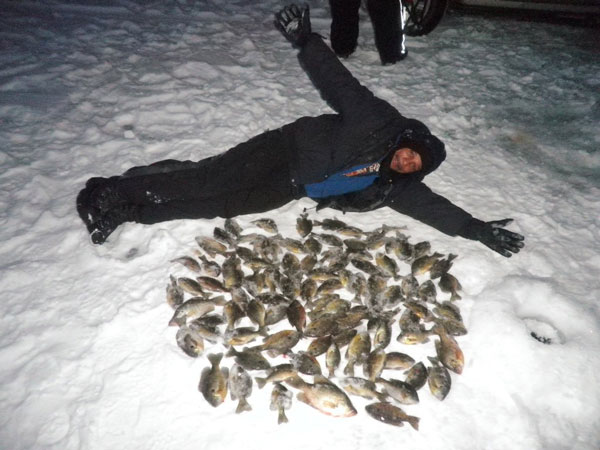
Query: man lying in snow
point(364, 157)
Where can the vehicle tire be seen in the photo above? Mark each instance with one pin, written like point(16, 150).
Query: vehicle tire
point(423, 15)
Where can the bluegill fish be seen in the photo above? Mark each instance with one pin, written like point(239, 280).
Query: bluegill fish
point(304, 363)
point(449, 283)
point(319, 345)
point(400, 391)
point(277, 374)
point(416, 376)
point(304, 225)
point(189, 263)
point(211, 246)
point(213, 381)
point(349, 230)
point(357, 352)
point(232, 227)
point(209, 267)
point(240, 387)
point(398, 361)
point(330, 239)
point(324, 396)
point(249, 360)
point(190, 286)
point(175, 293)
point(421, 249)
point(190, 310)
point(266, 224)
point(281, 399)
point(449, 353)
point(331, 224)
point(439, 380)
point(441, 266)
point(387, 264)
point(224, 236)
point(191, 344)
point(427, 292)
point(374, 364)
point(232, 273)
point(296, 315)
point(322, 326)
point(423, 264)
point(332, 358)
point(363, 388)
point(391, 414)
point(280, 342)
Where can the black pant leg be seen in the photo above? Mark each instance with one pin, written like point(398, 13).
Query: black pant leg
point(385, 16)
point(344, 26)
point(274, 193)
point(250, 177)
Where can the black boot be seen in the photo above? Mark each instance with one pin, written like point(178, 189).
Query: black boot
point(109, 222)
point(106, 197)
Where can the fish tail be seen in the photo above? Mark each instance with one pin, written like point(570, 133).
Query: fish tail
point(260, 382)
point(215, 358)
point(349, 369)
point(176, 321)
point(413, 421)
point(282, 418)
point(242, 406)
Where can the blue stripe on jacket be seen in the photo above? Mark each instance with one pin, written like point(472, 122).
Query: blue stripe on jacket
point(338, 183)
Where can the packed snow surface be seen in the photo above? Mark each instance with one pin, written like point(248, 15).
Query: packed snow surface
point(94, 88)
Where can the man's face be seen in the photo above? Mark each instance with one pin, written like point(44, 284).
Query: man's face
point(406, 160)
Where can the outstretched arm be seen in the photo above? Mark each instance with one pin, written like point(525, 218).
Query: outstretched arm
point(336, 84)
point(424, 205)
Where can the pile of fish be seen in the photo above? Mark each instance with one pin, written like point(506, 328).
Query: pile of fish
point(273, 310)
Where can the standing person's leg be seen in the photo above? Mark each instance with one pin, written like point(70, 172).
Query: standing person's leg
point(344, 26)
point(385, 16)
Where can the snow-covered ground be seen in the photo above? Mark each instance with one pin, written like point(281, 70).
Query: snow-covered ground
point(93, 88)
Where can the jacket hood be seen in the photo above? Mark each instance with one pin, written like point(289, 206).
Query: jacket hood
point(425, 140)
point(411, 137)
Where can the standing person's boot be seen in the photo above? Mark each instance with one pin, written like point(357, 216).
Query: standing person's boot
point(344, 26)
point(388, 26)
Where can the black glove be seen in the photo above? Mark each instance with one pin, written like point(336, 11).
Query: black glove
point(294, 24)
point(494, 236)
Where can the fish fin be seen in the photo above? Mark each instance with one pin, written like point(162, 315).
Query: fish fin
point(434, 361)
point(260, 382)
point(295, 381)
point(232, 352)
point(382, 397)
point(320, 379)
point(203, 376)
point(225, 372)
point(219, 300)
point(455, 297)
point(243, 405)
point(303, 398)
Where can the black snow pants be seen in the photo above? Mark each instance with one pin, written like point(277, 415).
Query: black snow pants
point(252, 177)
point(385, 17)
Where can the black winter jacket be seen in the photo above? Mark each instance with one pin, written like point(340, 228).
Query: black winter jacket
point(365, 129)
